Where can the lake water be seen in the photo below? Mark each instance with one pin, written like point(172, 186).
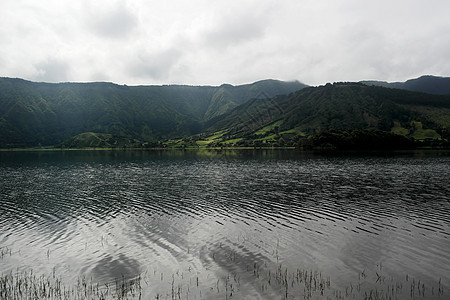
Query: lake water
point(230, 224)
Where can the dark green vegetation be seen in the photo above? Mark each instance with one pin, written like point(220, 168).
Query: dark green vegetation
point(33, 114)
point(345, 115)
point(425, 84)
point(263, 114)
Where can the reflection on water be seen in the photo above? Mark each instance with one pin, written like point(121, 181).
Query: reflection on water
point(199, 216)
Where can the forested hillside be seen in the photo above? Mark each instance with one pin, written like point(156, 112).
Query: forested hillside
point(33, 114)
point(265, 113)
point(288, 119)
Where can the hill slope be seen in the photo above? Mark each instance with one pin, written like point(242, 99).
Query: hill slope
point(341, 106)
point(34, 114)
point(267, 112)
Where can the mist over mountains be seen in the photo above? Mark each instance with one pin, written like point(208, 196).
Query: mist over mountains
point(268, 112)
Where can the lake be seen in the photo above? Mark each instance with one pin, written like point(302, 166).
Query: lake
point(226, 224)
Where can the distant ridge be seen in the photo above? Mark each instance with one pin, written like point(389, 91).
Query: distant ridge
point(425, 84)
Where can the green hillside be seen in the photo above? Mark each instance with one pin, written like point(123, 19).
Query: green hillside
point(265, 113)
point(99, 140)
point(33, 114)
point(286, 120)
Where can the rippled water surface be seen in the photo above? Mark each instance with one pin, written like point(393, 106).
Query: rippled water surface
point(230, 224)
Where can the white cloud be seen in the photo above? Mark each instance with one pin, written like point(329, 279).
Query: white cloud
point(51, 70)
point(157, 66)
point(204, 42)
point(111, 21)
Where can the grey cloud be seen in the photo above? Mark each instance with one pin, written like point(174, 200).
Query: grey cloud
point(52, 70)
point(204, 42)
point(231, 30)
point(386, 54)
point(155, 66)
point(117, 22)
point(99, 76)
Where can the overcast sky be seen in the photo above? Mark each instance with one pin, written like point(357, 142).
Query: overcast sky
point(214, 42)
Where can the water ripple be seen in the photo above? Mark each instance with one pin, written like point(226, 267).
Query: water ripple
point(108, 216)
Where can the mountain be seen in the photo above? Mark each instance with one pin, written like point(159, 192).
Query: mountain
point(425, 84)
point(285, 120)
point(33, 114)
point(264, 113)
